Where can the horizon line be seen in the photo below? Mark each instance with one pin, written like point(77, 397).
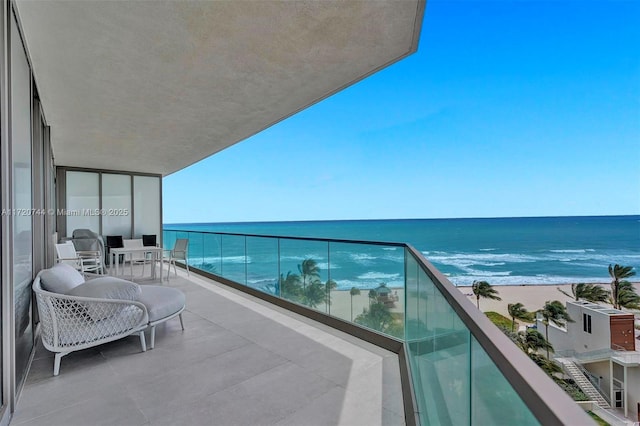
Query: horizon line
point(405, 219)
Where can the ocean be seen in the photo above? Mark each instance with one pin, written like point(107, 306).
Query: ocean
point(502, 251)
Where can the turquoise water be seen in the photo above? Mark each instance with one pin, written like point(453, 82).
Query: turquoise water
point(507, 251)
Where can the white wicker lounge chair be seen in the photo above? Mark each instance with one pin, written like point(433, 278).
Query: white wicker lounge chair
point(71, 323)
point(77, 315)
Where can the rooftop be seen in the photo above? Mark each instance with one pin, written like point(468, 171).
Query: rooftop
point(240, 360)
point(598, 308)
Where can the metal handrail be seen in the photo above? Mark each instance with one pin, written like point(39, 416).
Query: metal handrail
point(593, 355)
point(548, 403)
point(283, 237)
point(591, 377)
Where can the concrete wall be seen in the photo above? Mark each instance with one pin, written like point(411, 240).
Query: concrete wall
point(557, 336)
point(633, 392)
point(582, 341)
point(600, 369)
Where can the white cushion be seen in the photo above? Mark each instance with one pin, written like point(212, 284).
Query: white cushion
point(161, 302)
point(105, 288)
point(61, 278)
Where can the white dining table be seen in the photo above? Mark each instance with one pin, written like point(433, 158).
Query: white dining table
point(155, 251)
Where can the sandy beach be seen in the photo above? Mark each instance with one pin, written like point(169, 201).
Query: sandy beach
point(533, 297)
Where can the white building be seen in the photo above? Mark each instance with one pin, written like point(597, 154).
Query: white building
point(602, 340)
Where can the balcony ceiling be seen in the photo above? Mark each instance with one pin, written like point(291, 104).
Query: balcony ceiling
point(155, 86)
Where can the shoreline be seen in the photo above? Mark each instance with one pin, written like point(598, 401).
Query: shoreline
point(532, 296)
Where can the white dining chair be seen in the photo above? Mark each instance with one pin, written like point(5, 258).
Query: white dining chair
point(82, 261)
point(138, 257)
point(180, 251)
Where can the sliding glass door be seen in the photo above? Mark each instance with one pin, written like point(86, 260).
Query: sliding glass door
point(83, 199)
point(22, 227)
point(109, 203)
point(116, 204)
point(26, 171)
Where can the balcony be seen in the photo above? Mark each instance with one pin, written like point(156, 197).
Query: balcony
point(248, 358)
point(240, 360)
point(456, 366)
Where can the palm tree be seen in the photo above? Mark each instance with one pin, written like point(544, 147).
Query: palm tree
point(328, 287)
point(556, 313)
point(309, 271)
point(619, 274)
point(627, 296)
point(484, 289)
point(531, 341)
point(355, 291)
point(547, 365)
point(376, 317)
point(373, 296)
point(314, 294)
point(290, 286)
point(517, 310)
point(589, 292)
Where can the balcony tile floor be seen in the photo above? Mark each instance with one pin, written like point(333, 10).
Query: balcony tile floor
point(239, 361)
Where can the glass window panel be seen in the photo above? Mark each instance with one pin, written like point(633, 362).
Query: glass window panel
point(262, 264)
point(116, 205)
point(233, 258)
point(415, 325)
point(21, 202)
point(212, 256)
point(445, 357)
point(146, 206)
point(83, 201)
point(501, 406)
point(439, 349)
point(168, 239)
point(369, 285)
point(186, 235)
point(196, 249)
point(304, 272)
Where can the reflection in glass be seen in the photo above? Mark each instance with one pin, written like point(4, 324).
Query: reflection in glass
point(450, 371)
point(501, 406)
point(233, 258)
point(83, 201)
point(212, 254)
point(369, 285)
point(146, 200)
point(116, 205)
point(262, 264)
point(304, 275)
point(21, 202)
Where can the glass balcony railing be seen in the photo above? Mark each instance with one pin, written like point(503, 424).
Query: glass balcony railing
point(357, 282)
point(463, 370)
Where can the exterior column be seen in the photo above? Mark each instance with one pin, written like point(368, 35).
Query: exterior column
point(611, 396)
point(624, 394)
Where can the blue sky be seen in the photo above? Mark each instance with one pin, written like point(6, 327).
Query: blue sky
point(509, 108)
